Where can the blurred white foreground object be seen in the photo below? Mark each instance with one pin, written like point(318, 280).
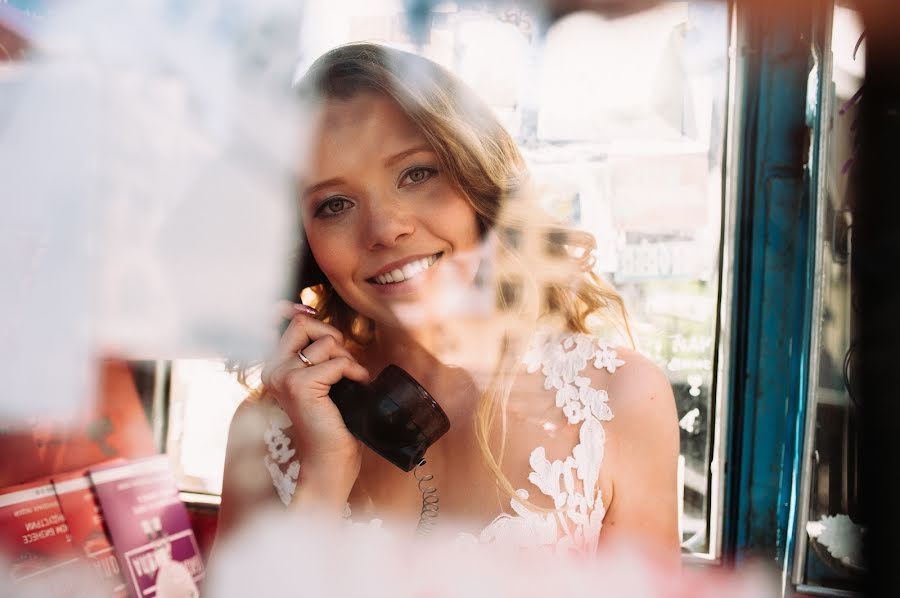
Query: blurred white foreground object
point(145, 170)
point(282, 553)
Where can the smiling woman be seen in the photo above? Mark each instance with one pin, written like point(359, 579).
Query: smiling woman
point(387, 220)
point(423, 247)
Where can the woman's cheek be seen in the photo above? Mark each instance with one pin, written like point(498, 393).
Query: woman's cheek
point(332, 254)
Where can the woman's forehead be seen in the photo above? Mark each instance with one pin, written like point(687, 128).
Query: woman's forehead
point(364, 112)
point(366, 125)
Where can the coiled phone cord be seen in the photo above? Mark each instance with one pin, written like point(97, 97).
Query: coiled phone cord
point(430, 507)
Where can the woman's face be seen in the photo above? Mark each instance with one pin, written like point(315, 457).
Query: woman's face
point(382, 219)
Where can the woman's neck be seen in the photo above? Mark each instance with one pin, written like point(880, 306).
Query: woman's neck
point(413, 350)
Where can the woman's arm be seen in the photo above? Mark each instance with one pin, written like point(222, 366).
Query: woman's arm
point(642, 451)
point(246, 484)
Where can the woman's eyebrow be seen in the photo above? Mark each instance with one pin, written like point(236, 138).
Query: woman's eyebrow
point(399, 156)
point(322, 185)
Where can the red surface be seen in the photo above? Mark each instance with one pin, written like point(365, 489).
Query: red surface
point(204, 521)
point(117, 427)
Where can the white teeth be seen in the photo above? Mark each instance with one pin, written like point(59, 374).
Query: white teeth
point(408, 271)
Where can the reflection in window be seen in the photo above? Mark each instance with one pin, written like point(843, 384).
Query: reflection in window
point(509, 294)
point(554, 243)
point(626, 144)
point(510, 237)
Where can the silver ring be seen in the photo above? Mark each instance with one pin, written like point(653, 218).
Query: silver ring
point(304, 359)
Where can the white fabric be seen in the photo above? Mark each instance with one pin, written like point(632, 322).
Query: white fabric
point(572, 482)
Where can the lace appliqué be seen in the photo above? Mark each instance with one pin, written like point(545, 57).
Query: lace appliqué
point(280, 453)
point(570, 482)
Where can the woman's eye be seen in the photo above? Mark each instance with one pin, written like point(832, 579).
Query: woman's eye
point(333, 206)
point(417, 174)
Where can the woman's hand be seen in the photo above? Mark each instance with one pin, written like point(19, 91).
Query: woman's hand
point(331, 455)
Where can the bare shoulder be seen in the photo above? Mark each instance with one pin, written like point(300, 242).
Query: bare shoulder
point(250, 417)
point(642, 433)
point(245, 434)
point(642, 454)
point(639, 390)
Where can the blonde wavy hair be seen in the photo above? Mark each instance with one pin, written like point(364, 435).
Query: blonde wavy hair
point(482, 161)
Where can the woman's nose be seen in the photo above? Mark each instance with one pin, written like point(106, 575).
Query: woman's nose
point(387, 223)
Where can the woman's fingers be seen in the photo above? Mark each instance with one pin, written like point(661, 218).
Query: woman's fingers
point(286, 310)
point(327, 349)
point(318, 379)
point(301, 332)
point(331, 362)
point(320, 343)
point(324, 349)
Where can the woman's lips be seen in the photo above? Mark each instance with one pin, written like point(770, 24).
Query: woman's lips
point(402, 270)
point(410, 285)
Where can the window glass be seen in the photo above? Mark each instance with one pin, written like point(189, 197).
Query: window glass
point(628, 145)
point(622, 123)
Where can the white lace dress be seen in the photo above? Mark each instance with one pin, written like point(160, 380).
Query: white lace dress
point(572, 483)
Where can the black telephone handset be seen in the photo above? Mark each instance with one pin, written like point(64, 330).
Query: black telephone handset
point(394, 415)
